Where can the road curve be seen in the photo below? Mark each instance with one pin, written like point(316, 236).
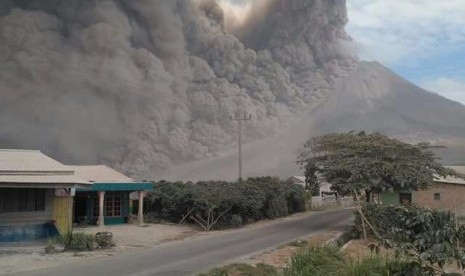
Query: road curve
point(191, 256)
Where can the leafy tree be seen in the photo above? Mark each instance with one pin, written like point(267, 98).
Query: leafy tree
point(370, 162)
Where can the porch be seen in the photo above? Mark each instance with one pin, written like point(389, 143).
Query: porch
point(108, 200)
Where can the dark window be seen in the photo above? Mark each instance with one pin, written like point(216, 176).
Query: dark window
point(112, 206)
point(437, 196)
point(405, 199)
point(22, 200)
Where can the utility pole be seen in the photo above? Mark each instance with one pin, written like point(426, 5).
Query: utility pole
point(240, 119)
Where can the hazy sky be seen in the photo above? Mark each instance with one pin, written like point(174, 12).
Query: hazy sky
point(423, 40)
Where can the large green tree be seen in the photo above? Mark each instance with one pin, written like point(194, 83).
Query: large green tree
point(370, 163)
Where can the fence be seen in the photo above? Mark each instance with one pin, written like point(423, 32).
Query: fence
point(320, 202)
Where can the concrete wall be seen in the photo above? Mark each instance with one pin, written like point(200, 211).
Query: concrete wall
point(451, 198)
point(21, 226)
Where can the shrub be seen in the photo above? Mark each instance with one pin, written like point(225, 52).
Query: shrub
point(428, 237)
point(104, 239)
point(295, 197)
point(251, 202)
point(275, 205)
point(224, 204)
point(169, 201)
point(316, 261)
point(236, 220)
point(78, 241)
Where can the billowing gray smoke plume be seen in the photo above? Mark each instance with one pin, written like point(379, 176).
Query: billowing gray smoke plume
point(145, 84)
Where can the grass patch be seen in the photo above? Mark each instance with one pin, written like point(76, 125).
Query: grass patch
point(243, 270)
point(316, 261)
point(329, 261)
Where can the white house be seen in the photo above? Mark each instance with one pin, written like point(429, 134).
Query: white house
point(325, 187)
point(326, 195)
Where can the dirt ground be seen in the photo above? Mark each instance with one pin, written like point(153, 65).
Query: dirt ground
point(280, 256)
point(128, 235)
point(358, 249)
point(20, 257)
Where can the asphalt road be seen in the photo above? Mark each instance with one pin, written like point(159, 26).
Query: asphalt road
point(192, 256)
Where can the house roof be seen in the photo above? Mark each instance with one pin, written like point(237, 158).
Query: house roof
point(32, 168)
point(453, 180)
point(107, 179)
point(300, 178)
point(101, 174)
point(29, 161)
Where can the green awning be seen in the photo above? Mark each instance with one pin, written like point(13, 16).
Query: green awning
point(132, 186)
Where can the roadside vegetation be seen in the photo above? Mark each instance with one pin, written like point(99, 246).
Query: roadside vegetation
point(73, 241)
point(401, 240)
point(213, 205)
point(429, 241)
point(318, 260)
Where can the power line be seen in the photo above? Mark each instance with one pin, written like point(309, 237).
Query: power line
point(240, 119)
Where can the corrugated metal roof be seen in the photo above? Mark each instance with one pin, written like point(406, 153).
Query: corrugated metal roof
point(459, 169)
point(454, 180)
point(34, 167)
point(42, 179)
point(29, 161)
point(300, 178)
point(100, 174)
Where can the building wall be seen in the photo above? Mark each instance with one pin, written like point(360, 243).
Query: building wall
point(30, 217)
point(451, 198)
point(62, 213)
point(389, 198)
point(20, 226)
point(393, 198)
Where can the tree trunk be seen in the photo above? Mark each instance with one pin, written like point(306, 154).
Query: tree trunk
point(368, 195)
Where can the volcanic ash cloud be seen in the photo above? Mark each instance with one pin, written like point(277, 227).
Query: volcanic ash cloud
point(142, 85)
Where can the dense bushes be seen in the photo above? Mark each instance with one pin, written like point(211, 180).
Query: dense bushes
point(428, 238)
point(225, 204)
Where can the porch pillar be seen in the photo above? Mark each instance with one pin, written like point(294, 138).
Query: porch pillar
point(140, 215)
point(101, 201)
